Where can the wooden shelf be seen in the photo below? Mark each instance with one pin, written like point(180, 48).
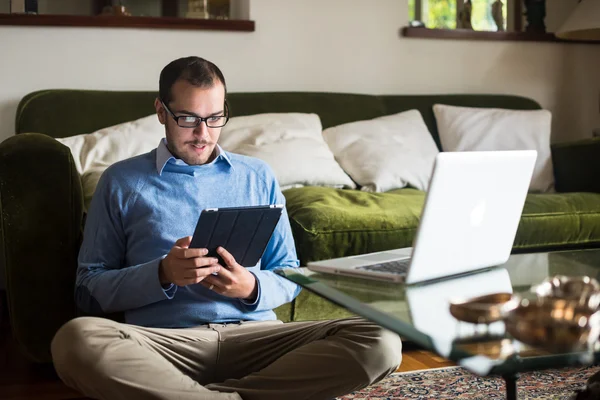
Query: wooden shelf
point(127, 22)
point(466, 34)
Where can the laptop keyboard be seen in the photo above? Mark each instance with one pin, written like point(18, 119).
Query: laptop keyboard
point(399, 267)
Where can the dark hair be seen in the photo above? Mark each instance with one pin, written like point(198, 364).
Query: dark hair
point(197, 71)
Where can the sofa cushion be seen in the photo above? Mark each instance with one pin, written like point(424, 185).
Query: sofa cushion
point(284, 312)
point(291, 143)
point(385, 153)
point(329, 223)
point(554, 220)
point(94, 152)
point(489, 129)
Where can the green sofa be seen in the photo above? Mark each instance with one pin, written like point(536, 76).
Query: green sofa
point(42, 213)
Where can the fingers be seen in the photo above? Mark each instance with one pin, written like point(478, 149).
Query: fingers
point(199, 262)
point(190, 253)
point(212, 284)
point(201, 272)
point(186, 253)
point(190, 281)
point(195, 263)
point(184, 241)
point(226, 273)
point(182, 250)
point(187, 266)
point(227, 258)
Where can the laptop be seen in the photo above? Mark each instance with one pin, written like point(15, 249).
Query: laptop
point(469, 221)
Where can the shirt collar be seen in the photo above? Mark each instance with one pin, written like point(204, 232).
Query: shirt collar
point(164, 155)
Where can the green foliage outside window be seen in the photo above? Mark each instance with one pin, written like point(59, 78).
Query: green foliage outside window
point(411, 10)
point(481, 16)
point(441, 14)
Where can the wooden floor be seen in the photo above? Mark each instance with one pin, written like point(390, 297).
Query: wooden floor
point(23, 380)
point(415, 358)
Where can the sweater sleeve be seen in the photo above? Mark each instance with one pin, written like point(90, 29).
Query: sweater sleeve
point(103, 283)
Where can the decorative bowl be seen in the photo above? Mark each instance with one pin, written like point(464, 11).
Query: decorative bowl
point(585, 291)
point(557, 325)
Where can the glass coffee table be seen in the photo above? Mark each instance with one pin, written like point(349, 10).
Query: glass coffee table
point(421, 313)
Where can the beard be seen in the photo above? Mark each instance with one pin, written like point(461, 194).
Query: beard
point(185, 151)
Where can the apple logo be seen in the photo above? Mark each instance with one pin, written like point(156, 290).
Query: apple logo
point(478, 213)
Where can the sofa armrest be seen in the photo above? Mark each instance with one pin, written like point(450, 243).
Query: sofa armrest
point(41, 211)
point(577, 165)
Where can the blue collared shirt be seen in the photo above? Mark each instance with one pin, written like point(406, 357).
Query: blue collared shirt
point(142, 206)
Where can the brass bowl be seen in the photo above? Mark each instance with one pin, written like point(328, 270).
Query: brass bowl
point(557, 325)
point(581, 289)
point(483, 309)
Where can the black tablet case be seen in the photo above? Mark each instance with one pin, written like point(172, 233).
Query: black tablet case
point(243, 231)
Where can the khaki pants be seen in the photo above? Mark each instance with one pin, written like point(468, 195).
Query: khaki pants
point(250, 360)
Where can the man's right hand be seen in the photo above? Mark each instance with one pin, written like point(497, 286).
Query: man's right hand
point(184, 266)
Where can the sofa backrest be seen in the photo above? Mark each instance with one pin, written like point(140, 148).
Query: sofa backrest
point(62, 113)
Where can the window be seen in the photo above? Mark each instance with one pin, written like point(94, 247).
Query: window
point(443, 14)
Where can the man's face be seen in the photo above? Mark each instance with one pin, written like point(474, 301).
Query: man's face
point(195, 146)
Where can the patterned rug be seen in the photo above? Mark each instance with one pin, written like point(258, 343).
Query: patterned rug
point(458, 383)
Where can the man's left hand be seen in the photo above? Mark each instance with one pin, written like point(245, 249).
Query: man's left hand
point(232, 280)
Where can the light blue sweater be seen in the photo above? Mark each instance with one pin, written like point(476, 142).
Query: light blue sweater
point(141, 206)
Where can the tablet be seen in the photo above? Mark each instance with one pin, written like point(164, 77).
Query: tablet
point(242, 231)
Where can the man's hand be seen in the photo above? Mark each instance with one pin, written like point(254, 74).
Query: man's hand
point(233, 280)
point(184, 266)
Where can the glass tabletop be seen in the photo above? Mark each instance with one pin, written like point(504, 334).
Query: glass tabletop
point(421, 313)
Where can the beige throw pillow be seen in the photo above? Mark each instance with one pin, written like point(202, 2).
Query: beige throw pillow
point(291, 143)
point(94, 152)
point(385, 153)
point(488, 129)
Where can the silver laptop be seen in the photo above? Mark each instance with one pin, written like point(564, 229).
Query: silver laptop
point(469, 221)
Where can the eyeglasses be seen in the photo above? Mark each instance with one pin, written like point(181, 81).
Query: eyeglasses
point(191, 121)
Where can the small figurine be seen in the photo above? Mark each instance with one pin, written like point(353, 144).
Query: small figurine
point(464, 16)
point(197, 9)
point(219, 9)
point(497, 15)
point(117, 8)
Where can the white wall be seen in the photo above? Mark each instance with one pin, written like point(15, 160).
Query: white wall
point(316, 45)
point(557, 12)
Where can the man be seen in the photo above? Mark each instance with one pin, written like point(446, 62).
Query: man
point(196, 329)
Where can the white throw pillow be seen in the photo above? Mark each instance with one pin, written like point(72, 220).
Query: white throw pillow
point(75, 144)
point(486, 129)
point(94, 152)
point(385, 153)
point(291, 143)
